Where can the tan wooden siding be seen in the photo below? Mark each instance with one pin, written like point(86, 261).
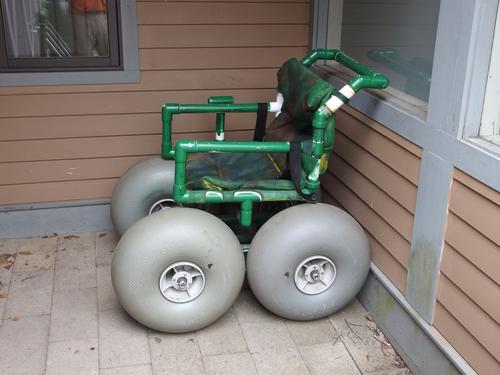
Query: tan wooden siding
point(465, 343)
point(468, 313)
point(373, 174)
point(73, 142)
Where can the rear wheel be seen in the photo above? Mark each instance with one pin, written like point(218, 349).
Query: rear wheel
point(308, 261)
point(178, 270)
point(145, 188)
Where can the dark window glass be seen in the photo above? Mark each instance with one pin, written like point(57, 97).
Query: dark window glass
point(59, 35)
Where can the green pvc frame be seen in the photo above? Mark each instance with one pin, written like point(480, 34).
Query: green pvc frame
point(313, 164)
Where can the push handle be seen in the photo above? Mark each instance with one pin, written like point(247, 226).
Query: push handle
point(366, 78)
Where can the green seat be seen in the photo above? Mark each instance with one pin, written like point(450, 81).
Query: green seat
point(304, 92)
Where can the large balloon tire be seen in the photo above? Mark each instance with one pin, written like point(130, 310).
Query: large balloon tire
point(290, 238)
point(166, 238)
point(143, 185)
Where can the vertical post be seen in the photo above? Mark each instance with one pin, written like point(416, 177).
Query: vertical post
point(246, 213)
point(219, 126)
point(428, 233)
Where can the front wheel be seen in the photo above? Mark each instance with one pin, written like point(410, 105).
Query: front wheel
point(145, 188)
point(178, 270)
point(308, 261)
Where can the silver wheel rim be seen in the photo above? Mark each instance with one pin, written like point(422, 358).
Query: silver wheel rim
point(163, 204)
point(315, 274)
point(182, 282)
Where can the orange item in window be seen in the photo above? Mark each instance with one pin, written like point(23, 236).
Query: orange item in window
point(84, 6)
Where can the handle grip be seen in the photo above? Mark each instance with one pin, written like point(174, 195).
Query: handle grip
point(366, 78)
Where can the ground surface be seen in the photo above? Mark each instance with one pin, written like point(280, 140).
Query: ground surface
point(60, 316)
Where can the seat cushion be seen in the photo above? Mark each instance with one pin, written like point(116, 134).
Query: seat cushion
point(303, 91)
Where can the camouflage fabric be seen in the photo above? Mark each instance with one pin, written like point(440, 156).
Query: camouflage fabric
point(304, 92)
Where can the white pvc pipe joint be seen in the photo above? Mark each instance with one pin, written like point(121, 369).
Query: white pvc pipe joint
point(276, 106)
point(335, 103)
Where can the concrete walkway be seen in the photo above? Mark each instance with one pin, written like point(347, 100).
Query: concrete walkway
point(60, 316)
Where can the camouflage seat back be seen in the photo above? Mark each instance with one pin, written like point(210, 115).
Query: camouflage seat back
point(303, 91)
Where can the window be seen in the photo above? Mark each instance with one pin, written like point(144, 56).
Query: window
point(59, 35)
point(490, 119)
point(396, 38)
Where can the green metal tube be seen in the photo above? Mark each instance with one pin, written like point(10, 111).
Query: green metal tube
point(376, 81)
point(209, 146)
point(219, 105)
point(236, 196)
point(219, 123)
point(319, 123)
point(183, 148)
point(246, 213)
point(210, 108)
point(166, 138)
point(367, 78)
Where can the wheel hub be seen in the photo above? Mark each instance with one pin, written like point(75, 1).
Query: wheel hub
point(163, 204)
point(182, 282)
point(315, 274)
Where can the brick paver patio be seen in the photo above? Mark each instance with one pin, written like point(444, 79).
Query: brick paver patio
point(60, 316)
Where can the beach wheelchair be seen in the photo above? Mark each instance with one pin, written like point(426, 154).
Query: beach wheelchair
point(199, 215)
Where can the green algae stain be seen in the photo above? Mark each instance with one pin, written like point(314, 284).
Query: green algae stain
point(423, 278)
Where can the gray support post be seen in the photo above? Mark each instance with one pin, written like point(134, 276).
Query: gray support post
point(428, 233)
point(319, 24)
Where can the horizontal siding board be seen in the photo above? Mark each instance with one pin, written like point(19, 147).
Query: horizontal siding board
point(57, 191)
point(480, 188)
point(170, 81)
point(185, 13)
point(471, 317)
point(65, 170)
point(167, 36)
point(395, 214)
point(25, 128)
point(388, 264)
point(476, 210)
point(473, 246)
point(395, 156)
point(369, 122)
point(77, 148)
point(217, 58)
point(391, 182)
point(115, 102)
point(474, 283)
point(229, 67)
point(326, 197)
point(387, 236)
point(473, 352)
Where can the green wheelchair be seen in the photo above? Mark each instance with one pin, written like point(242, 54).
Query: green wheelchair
point(195, 217)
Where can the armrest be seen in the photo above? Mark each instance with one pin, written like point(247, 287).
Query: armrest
point(220, 107)
point(216, 104)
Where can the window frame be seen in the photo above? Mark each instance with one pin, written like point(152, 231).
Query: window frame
point(461, 61)
point(126, 71)
point(74, 63)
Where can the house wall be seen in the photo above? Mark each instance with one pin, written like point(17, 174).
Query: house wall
point(468, 303)
point(60, 143)
point(373, 174)
point(442, 313)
